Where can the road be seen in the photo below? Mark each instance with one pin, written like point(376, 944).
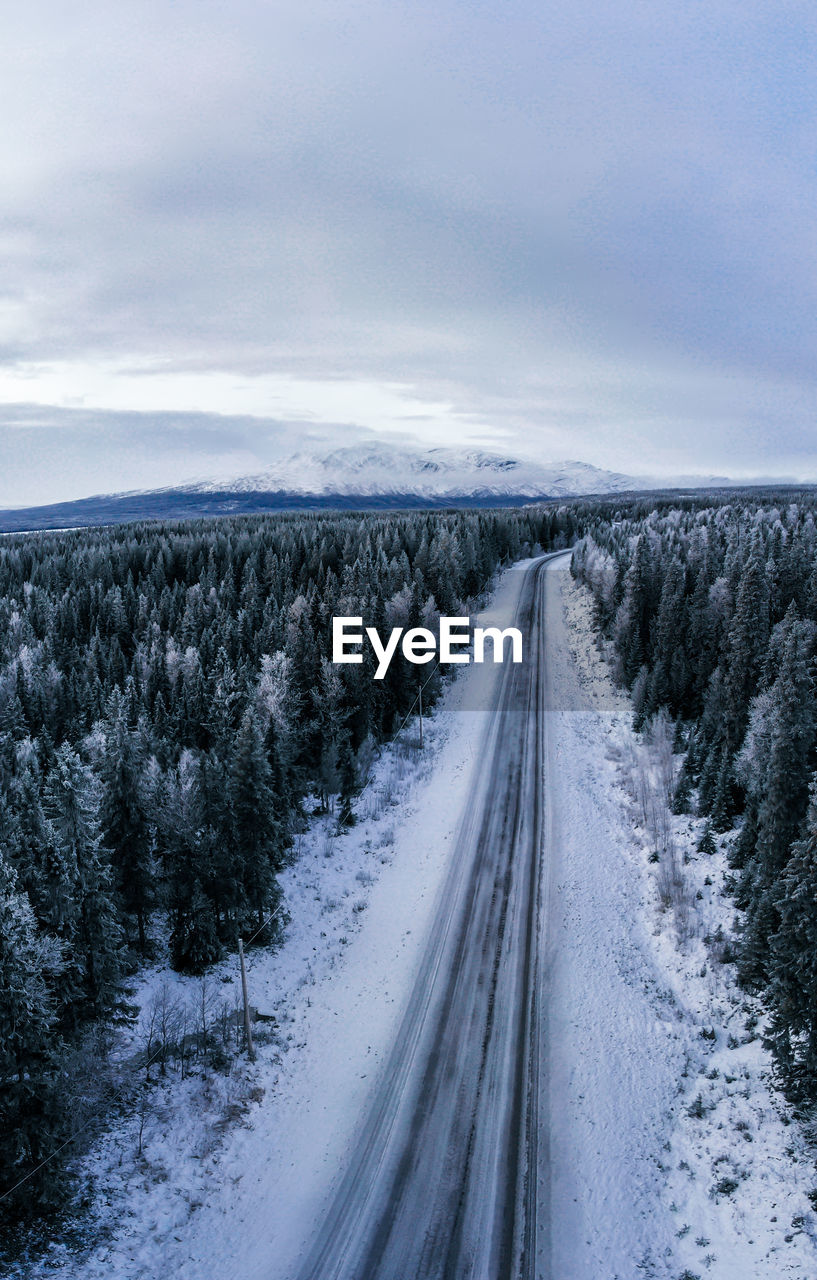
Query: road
point(449, 1179)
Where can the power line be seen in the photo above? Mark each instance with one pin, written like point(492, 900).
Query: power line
point(116, 1096)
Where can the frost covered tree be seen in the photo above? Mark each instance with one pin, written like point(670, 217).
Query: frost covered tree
point(31, 1124)
point(780, 789)
point(748, 637)
point(742, 638)
point(257, 838)
point(189, 859)
point(72, 805)
point(792, 986)
point(125, 825)
point(632, 624)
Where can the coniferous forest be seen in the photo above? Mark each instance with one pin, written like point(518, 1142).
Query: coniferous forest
point(166, 704)
point(168, 711)
point(712, 612)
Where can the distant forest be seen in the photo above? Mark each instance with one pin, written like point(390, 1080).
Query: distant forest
point(166, 706)
point(712, 612)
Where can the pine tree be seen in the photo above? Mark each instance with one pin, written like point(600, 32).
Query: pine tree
point(682, 796)
point(669, 669)
point(748, 637)
point(188, 855)
point(46, 874)
point(223, 707)
point(71, 803)
point(721, 804)
point(743, 848)
point(256, 834)
point(331, 715)
point(194, 942)
point(706, 844)
point(633, 618)
point(125, 828)
point(30, 1119)
point(792, 985)
point(781, 790)
point(348, 786)
point(710, 774)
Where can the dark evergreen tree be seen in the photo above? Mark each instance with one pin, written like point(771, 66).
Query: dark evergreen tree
point(706, 844)
point(31, 1123)
point(782, 795)
point(71, 803)
point(125, 826)
point(747, 642)
point(682, 796)
point(721, 805)
point(257, 838)
point(189, 865)
point(792, 985)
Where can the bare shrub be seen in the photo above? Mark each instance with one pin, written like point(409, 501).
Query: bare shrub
point(670, 878)
point(90, 1084)
point(660, 738)
point(374, 804)
point(388, 788)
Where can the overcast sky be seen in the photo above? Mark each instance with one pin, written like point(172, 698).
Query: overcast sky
point(229, 230)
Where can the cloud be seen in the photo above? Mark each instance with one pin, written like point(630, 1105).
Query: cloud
point(51, 454)
point(594, 225)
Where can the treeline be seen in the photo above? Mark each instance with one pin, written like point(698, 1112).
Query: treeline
point(712, 610)
point(166, 705)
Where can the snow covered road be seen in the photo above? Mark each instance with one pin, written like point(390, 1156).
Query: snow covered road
point(450, 1174)
point(519, 1124)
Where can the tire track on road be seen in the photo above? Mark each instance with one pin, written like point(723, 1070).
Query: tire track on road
point(447, 1181)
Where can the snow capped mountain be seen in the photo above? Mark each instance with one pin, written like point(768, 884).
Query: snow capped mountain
point(381, 469)
point(377, 476)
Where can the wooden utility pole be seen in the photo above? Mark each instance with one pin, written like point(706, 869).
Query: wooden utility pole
point(421, 715)
point(247, 1024)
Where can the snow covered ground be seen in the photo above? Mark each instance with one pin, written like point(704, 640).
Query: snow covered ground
point(647, 1180)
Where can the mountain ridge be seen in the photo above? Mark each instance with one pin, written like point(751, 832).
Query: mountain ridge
point(377, 469)
point(375, 476)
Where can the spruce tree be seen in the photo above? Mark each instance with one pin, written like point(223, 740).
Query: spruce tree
point(125, 829)
point(706, 844)
point(682, 796)
point(792, 985)
point(782, 796)
point(256, 834)
point(188, 857)
point(747, 641)
point(71, 802)
point(721, 803)
point(31, 1124)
